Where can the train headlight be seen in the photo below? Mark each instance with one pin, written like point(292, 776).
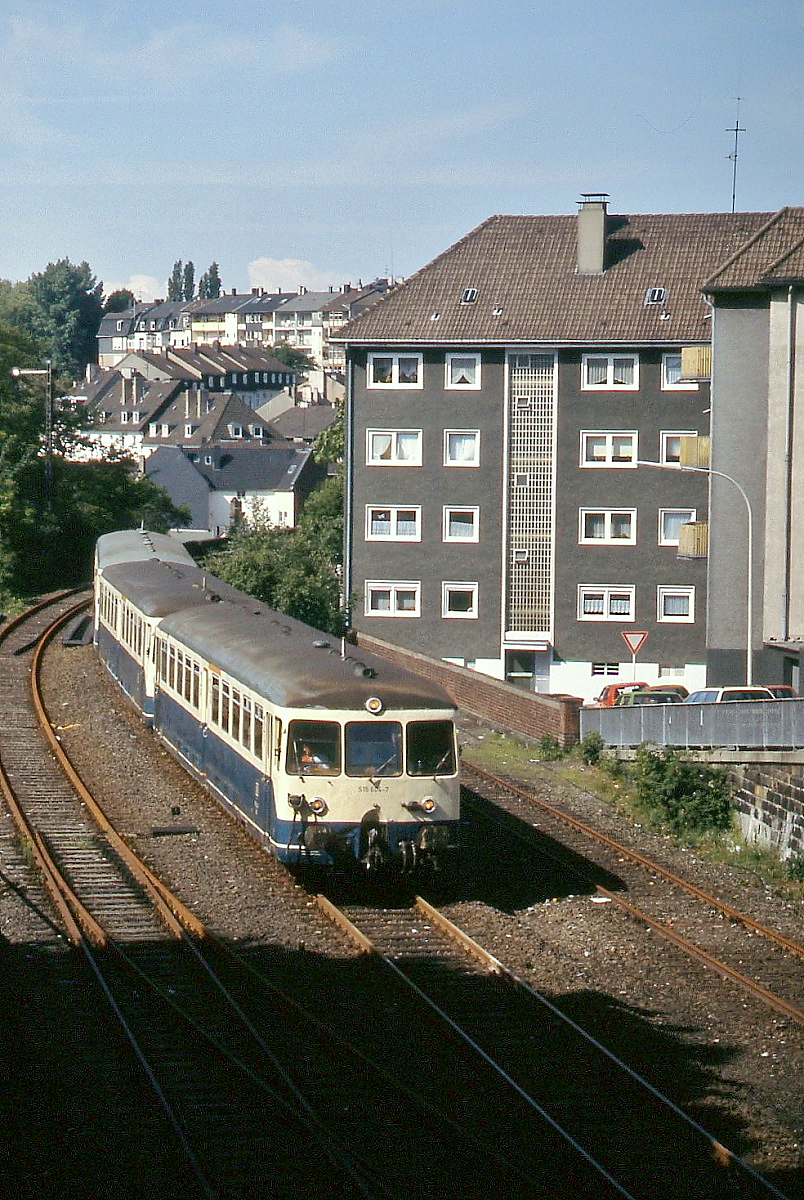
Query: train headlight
point(374, 705)
point(428, 804)
point(317, 806)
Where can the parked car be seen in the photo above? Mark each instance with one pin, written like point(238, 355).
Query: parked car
point(725, 695)
point(782, 691)
point(650, 695)
point(678, 688)
point(611, 691)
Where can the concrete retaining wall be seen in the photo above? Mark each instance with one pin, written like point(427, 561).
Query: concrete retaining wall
point(501, 704)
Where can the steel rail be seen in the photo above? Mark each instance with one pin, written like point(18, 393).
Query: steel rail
point(720, 1152)
point(788, 944)
point(754, 989)
point(343, 922)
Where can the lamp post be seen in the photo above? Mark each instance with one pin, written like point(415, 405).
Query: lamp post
point(749, 603)
point(47, 373)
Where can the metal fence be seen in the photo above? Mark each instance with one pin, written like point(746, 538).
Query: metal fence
point(767, 724)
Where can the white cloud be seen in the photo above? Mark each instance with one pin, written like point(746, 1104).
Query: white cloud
point(287, 274)
point(144, 287)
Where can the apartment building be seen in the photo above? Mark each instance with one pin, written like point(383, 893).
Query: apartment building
point(503, 406)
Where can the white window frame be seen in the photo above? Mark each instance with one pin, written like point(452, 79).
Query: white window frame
point(394, 460)
point(677, 385)
point(662, 593)
point(663, 514)
point(394, 510)
point(455, 386)
point(449, 509)
point(609, 462)
point(608, 591)
point(394, 381)
point(450, 586)
point(607, 515)
point(394, 587)
point(474, 433)
point(609, 385)
point(664, 437)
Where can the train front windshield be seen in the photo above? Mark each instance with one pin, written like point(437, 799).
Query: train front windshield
point(371, 748)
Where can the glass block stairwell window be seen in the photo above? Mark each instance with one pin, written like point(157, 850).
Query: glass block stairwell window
point(531, 432)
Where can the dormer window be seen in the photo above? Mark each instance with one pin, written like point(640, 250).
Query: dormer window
point(655, 295)
point(469, 295)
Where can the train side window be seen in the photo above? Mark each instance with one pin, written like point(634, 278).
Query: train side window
point(235, 728)
point(314, 748)
point(225, 698)
point(246, 727)
point(373, 748)
point(215, 715)
point(431, 748)
point(259, 730)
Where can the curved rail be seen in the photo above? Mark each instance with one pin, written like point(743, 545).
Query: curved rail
point(734, 914)
point(718, 1152)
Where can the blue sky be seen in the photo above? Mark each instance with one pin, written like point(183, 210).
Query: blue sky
point(318, 143)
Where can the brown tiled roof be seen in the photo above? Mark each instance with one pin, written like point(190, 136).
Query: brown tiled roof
point(528, 288)
point(774, 253)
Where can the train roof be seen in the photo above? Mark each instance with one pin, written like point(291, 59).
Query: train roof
point(158, 588)
point(138, 545)
point(292, 665)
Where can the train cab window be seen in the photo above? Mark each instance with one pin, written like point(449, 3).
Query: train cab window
point(314, 748)
point(373, 748)
point(431, 748)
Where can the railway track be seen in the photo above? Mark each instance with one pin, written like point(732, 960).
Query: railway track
point(409, 1118)
point(650, 1149)
point(777, 981)
point(242, 1072)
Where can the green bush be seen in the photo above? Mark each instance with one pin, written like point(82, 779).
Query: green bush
point(687, 797)
point(591, 748)
point(795, 869)
point(549, 748)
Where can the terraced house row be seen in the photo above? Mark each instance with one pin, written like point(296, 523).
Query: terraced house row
point(521, 417)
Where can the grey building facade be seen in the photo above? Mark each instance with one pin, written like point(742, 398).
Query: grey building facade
point(500, 405)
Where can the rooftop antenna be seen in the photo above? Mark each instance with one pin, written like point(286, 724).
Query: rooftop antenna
point(737, 130)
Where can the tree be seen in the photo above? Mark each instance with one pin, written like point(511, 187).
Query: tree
point(209, 287)
point(119, 301)
point(188, 282)
point(296, 360)
point(329, 446)
point(65, 304)
point(293, 570)
point(175, 287)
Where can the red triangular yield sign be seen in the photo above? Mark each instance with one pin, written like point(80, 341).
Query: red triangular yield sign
point(635, 639)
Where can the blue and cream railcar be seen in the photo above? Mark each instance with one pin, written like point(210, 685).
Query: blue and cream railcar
point(139, 578)
point(328, 760)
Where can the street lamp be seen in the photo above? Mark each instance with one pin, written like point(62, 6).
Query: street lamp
point(749, 604)
point(47, 373)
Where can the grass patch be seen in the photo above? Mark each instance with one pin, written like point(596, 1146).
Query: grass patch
point(613, 781)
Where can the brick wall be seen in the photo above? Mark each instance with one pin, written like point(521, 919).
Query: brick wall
point(501, 704)
point(769, 801)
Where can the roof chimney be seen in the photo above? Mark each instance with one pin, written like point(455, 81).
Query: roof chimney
point(592, 233)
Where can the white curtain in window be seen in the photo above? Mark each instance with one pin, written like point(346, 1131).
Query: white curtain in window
point(462, 447)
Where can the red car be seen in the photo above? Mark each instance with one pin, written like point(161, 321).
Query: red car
point(611, 691)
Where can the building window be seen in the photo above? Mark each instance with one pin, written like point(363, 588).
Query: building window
point(390, 599)
point(461, 524)
point(670, 445)
point(615, 449)
point(607, 526)
point(459, 600)
point(670, 522)
point(394, 447)
point(605, 668)
point(671, 375)
point(463, 372)
point(393, 523)
point(189, 430)
point(610, 372)
point(675, 604)
point(394, 371)
point(605, 603)
point(461, 448)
